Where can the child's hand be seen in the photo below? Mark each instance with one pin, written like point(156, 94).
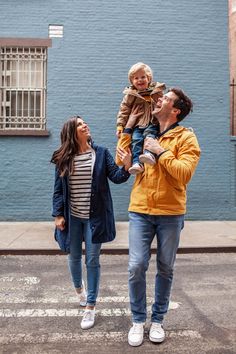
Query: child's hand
point(118, 134)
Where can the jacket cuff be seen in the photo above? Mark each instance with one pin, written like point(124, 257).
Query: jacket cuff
point(128, 131)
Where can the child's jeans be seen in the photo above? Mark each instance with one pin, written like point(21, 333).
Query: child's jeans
point(139, 134)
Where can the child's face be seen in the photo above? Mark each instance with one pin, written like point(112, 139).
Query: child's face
point(140, 80)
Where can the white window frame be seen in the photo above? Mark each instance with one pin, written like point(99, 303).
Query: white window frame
point(23, 86)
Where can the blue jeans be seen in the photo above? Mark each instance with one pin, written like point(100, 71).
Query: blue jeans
point(80, 231)
point(142, 229)
point(138, 137)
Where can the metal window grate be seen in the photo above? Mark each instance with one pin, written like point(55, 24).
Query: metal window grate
point(23, 88)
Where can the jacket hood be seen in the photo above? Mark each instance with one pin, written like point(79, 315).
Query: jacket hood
point(152, 88)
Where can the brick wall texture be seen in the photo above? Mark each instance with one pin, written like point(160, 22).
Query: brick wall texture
point(185, 43)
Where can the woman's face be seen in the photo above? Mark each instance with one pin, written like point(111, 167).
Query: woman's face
point(83, 132)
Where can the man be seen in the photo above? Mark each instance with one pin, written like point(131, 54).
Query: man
point(157, 208)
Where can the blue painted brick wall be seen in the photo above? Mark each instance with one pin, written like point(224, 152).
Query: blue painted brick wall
point(186, 44)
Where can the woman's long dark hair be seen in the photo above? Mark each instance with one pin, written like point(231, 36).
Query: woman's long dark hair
point(63, 157)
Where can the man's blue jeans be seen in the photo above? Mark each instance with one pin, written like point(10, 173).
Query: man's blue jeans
point(80, 231)
point(142, 229)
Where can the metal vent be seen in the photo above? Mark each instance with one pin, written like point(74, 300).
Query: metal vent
point(55, 31)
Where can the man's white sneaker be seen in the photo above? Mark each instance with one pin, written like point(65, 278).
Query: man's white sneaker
point(82, 294)
point(136, 168)
point(88, 319)
point(156, 333)
point(135, 336)
point(148, 158)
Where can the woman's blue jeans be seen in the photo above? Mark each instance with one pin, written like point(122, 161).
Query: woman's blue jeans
point(142, 229)
point(80, 231)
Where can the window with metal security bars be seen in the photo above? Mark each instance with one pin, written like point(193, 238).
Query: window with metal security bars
point(23, 88)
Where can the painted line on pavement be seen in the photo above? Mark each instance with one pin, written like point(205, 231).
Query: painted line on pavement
point(33, 338)
point(73, 300)
point(6, 313)
point(26, 280)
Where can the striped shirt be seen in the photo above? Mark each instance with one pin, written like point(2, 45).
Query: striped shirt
point(80, 185)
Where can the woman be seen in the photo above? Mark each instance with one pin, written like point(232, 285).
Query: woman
point(82, 205)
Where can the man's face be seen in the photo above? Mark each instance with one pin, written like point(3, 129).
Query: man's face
point(164, 105)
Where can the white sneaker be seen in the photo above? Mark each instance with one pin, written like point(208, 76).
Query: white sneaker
point(136, 168)
point(156, 333)
point(135, 336)
point(148, 158)
point(88, 319)
point(82, 295)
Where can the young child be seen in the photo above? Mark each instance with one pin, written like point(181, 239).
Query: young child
point(139, 98)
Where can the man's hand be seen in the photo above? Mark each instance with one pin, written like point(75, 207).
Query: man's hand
point(125, 157)
point(153, 146)
point(60, 222)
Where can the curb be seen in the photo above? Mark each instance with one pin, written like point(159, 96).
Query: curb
point(116, 251)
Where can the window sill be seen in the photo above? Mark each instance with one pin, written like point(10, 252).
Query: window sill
point(12, 132)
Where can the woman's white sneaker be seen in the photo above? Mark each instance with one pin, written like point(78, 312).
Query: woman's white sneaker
point(156, 333)
point(88, 319)
point(135, 336)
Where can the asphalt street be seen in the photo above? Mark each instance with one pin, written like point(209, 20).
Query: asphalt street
point(39, 312)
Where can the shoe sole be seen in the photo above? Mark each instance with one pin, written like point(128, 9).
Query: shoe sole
point(154, 340)
point(87, 327)
point(83, 304)
point(147, 161)
point(135, 172)
point(135, 344)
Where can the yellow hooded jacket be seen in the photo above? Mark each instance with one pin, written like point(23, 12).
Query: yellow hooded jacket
point(161, 189)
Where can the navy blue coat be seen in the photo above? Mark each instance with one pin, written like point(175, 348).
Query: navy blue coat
point(102, 221)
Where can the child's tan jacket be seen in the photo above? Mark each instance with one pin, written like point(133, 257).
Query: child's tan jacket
point(143, 100)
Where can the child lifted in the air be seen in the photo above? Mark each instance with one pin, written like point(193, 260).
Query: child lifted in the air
point(139, 99)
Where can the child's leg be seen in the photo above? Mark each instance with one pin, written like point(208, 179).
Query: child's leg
point(148, 156)
point(137, 144)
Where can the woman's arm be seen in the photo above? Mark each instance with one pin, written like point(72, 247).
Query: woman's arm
point(114, 173)
point(57, 199)
point(58, 205)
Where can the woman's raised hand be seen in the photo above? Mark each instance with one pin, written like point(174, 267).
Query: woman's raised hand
point(125, 156)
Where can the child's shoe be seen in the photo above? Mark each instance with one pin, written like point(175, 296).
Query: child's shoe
point(148, 158)
point(136, 168)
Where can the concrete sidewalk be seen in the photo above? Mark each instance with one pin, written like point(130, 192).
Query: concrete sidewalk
point(37, 238)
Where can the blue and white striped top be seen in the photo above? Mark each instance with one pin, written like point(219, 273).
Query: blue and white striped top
point(80, 185)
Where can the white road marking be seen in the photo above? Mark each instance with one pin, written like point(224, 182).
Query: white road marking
point(8, 299)
point(60, 312)
point(33, 338)
point(26, 280)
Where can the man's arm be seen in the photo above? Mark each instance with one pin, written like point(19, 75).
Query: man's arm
point(182, 166)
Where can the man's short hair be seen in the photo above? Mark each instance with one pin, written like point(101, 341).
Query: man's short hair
point(136, 67)
point(183, 103)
